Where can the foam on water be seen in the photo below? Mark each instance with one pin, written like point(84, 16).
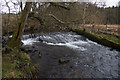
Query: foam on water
point(73, 45)
point(70, 40)
point(29, 41)
point(10, 36)
point(89, 41)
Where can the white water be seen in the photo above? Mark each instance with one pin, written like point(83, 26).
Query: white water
point(29, 41)
point(73, 41)
point(71, 45)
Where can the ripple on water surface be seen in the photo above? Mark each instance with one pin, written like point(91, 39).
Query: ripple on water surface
point(87, 58)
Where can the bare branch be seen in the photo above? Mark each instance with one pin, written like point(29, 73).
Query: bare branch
point(56, 18)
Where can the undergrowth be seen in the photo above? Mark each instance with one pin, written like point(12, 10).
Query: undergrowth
point(16, 64)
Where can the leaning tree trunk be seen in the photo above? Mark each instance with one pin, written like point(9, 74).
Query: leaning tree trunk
point(15, 41)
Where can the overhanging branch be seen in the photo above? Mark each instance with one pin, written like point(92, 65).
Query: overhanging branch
point(48, 15)
point(51, 15)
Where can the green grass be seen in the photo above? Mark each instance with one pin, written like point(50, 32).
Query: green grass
point(104, 39)
point(16, 64)
point(110, 37)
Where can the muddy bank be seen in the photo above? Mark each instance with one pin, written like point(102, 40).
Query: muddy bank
point(69, 55)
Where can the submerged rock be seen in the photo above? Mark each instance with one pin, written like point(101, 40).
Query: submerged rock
point(61, 61)
point(40, 55)
point(24, 49)
point(111, 49)
point(40, 40)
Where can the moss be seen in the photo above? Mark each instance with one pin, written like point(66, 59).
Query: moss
point(110, 37)
point(17, 64)
point(104, 39)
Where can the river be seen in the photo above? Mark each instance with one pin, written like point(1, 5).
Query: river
point(86, 59)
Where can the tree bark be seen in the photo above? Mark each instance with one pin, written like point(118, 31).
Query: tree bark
point(15, 41)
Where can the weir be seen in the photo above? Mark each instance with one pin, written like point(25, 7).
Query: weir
point(87, 59)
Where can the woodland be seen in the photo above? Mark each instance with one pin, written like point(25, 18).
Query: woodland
point(94, 21)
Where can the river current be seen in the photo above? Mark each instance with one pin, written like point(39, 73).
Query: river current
point(87, 59)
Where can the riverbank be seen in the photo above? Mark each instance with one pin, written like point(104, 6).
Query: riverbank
point(104, 39)
point(16, 64)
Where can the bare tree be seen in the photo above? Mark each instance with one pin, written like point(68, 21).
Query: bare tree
point(119, 18)
point(8, 18)
point(15, 41)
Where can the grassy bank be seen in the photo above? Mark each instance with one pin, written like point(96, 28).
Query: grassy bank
point(16, 64)
point(104, 39)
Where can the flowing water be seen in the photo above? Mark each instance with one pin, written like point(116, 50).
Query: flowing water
point(87, 59)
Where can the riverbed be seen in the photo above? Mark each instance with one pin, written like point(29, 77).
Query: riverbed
point(86, 59)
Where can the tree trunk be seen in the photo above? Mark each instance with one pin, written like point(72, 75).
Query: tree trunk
point(15, 41)
point(21, 5)
point(84, 13)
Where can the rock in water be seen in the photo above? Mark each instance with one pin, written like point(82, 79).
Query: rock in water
point(40, 55)
point(61, 61)
point(40, 40)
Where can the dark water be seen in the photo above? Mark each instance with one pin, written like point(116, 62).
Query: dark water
point(87, 59)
